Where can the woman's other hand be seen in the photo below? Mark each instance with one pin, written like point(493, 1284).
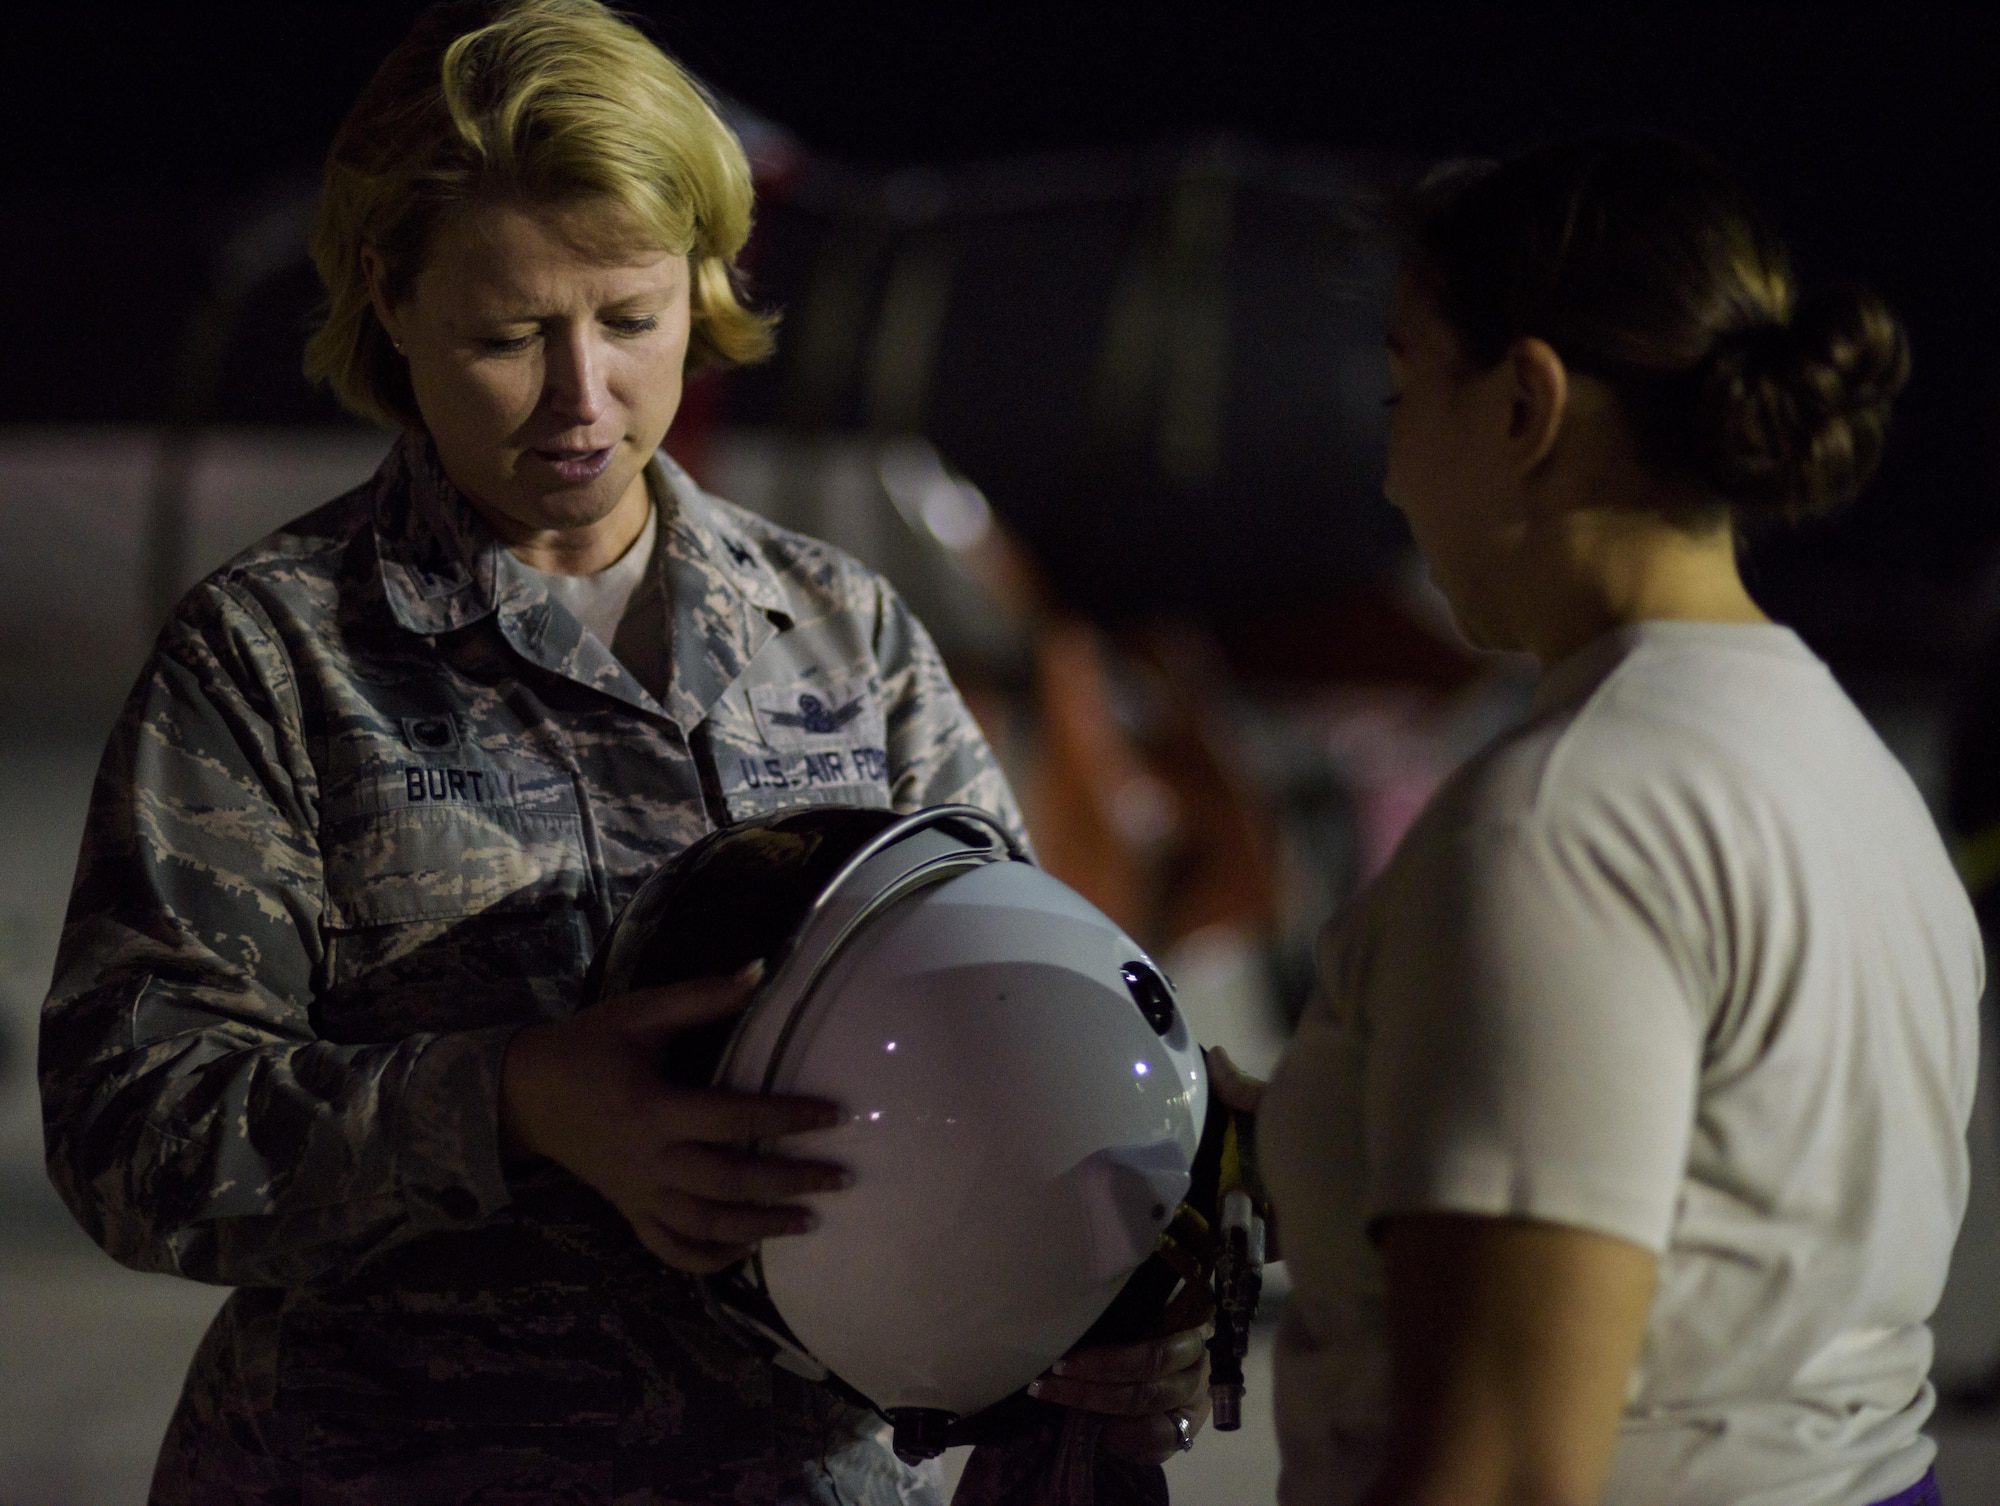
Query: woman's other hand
point(1230, 1083)
point(1243, 1093)
point(679, 1163)
point(1148, 1389)
point(1144, 1389)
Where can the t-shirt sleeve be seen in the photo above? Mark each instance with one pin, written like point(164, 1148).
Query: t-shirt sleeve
point(1533, 1038)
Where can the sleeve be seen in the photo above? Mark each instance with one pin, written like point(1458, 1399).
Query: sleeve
point(1533, 1039)
point(937, 754)
point(193, 1121)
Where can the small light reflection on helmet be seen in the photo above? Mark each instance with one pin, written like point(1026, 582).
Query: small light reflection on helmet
point(890, 1047)
point(1140, 1068)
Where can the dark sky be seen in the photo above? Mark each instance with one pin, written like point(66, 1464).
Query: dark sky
point(1869, 132)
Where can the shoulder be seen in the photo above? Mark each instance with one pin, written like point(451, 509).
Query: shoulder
point(814, 569)
point(310, 582)
point(300, 569)
point(1566, 850)
point(1683, 780)
point(1671, 725)
point(1610, 792)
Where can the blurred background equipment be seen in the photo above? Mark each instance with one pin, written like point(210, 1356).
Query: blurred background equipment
point(1163, 368)
point(1094, 415)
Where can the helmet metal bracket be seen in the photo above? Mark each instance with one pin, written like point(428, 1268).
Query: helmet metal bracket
point(931, 870)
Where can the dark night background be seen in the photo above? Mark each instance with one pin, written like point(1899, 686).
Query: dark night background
point(135, 134)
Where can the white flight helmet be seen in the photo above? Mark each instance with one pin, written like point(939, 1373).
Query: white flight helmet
point(1024, 1102)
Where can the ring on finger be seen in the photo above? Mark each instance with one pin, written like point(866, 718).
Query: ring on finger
point(1183, 1431)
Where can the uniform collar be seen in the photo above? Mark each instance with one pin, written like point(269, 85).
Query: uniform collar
point(704, 530)
point(442, 570)
point(439, 561)
point(724, 598)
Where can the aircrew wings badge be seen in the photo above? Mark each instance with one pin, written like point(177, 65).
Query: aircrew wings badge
point(814, 717)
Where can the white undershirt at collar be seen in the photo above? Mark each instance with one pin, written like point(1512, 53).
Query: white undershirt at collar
point(599, 601)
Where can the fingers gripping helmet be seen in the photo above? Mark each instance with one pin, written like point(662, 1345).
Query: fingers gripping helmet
point(1023, 1100)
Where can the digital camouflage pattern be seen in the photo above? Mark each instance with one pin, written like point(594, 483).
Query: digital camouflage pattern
point(369, 809)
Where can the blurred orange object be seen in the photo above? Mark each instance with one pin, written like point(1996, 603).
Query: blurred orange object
point(1147, 821)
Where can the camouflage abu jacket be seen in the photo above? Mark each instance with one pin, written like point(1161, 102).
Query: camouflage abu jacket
point(371, 805)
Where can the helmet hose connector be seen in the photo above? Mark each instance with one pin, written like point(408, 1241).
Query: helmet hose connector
point(1238, 1281)
point(921, 1433)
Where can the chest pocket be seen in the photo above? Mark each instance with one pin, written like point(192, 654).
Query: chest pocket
point(456, 894)
point(806, 743)
point(434, 838)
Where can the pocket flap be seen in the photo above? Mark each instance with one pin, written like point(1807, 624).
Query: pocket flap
point(433, 840)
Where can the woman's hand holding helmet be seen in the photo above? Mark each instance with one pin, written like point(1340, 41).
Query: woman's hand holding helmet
point(588, 1094)
point(1155, 1394)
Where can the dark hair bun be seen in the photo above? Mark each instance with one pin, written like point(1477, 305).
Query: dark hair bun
point(1790, 418)
point(1643, 264)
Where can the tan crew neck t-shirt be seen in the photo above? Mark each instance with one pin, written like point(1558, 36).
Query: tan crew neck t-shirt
point(1682, 961)
point(599, 601)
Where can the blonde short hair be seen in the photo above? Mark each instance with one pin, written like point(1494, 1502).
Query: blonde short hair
point(548, 101)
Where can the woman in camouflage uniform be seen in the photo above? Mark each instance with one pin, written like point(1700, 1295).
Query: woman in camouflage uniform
point(384, 784)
